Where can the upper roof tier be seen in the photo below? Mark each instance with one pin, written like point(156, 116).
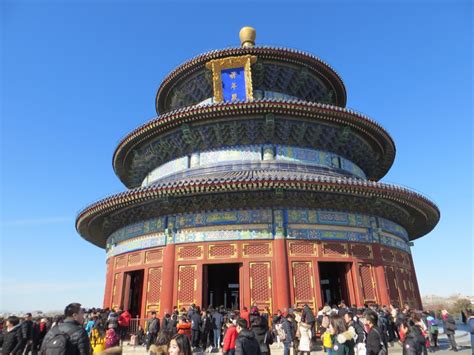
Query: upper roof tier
point(277, 73)
point(295, 123)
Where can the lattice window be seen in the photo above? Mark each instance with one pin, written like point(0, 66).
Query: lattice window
point(135, 259)
point(334, 249)
point(387, 254)
point(390, 278)
point(399, 258)
point(367, 281)
point(297, 248)
point(121, 261)
point(154, 256)
point(222, 251)
point(187, 284)
point(154, 289)
point(303, 283)
point(361, 251)
point(260, 282)
point(191, 252)
point(257, 249)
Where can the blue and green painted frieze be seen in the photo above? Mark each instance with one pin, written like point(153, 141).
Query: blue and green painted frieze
point(258, 224)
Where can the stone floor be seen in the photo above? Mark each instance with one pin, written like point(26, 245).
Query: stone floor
point(462, 338)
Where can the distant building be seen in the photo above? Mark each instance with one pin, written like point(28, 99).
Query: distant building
point(255, 185)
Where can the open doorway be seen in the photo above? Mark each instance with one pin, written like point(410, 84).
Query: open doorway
point(221, 285)
point(333, 282)
point(133, 289)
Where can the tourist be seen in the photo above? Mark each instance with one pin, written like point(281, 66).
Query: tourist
point(230, 337)
point(97, 337)
point(11, 338)
point(152, 328)
point(139, 337)
point(259, 327)
point(470, 324)
point(326, 338)
point(286, 333)
point(179, 345)
point(184, 327)
point(354, 324)
point(449, 328)
point(43, 329)
point(161, 344)
point(433, 331)
point(246, 343)
point(113, 317)
point(112, 339)
point(206, 329)
point(124, 322)
point(27, 332)
point(304, 334)
point(413, 338)
point(342, 338)
point(72, 326)
point(374, 342)
point(90, 325)
point(196, 323)
point(217, 321)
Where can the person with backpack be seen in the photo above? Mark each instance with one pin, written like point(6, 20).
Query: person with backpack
point(433, 331)
point(246, 343)
point(374, 343)
point(285, 333)
point(68, 337)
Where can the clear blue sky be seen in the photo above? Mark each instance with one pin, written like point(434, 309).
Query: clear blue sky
point(76, 78)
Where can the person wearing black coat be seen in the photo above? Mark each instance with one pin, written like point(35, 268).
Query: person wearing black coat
point(11, 339)
point(196, 322)
point(246, 343)
point(414, 340)
point(72, 326)
point(374, 341)
point(449, 328)
point(259, 327)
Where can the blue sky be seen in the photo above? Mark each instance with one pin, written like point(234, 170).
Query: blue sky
point(78, 76)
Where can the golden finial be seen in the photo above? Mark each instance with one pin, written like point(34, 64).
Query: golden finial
point(247, 36)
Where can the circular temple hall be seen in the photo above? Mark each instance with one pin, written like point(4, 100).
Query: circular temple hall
point(255, 185)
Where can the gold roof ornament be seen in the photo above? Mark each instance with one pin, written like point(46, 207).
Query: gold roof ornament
point(247, 37)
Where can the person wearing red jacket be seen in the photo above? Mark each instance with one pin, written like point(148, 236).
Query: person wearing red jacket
point(124, 322)
point(229, 338)
point(184, 327)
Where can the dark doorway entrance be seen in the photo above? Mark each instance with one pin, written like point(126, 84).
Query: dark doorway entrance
point(133, 289)
point(333, 282)
point(221, 285)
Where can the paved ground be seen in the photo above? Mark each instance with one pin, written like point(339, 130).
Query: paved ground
point(462, 338)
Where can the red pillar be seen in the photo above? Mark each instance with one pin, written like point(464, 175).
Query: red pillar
point(282, 281)
point(382, 288)
point(167, 285)
point(415, 283)
point(317, 285)
point(108, 283)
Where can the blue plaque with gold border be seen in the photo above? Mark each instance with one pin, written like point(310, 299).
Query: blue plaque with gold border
point(232, 78)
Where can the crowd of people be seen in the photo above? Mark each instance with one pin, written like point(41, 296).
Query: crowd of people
point(338, 330)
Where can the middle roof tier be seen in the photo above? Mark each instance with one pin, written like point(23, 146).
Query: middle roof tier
point(343, 132)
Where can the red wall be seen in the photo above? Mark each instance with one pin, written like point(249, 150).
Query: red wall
point(274, 273)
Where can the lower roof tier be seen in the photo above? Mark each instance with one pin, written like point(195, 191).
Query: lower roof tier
point(343, 132)
point(258, 189)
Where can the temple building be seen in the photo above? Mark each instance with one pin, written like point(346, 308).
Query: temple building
point(255, 185)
